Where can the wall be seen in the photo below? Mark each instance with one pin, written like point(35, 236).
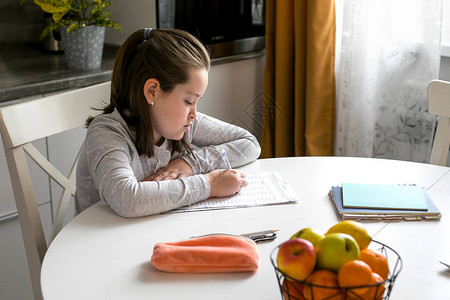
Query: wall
point(131, 15)
point(234, 93)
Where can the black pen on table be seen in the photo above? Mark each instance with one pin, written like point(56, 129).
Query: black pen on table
point(262, 236)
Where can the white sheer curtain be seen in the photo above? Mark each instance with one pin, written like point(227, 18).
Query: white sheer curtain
point(389, 52)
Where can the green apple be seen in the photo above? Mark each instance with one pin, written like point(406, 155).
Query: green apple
point(310, 234)
point(335, 249)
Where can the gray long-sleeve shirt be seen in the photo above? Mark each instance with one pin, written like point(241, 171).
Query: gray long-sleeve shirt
point(111, 169)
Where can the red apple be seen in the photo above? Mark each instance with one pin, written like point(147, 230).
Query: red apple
point(296, 258)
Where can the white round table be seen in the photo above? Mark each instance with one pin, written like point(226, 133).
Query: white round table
point(100, 255)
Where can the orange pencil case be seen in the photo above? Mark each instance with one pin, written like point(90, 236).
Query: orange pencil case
point(207, 254)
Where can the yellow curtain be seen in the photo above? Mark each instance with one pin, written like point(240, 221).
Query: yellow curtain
point(299, 82)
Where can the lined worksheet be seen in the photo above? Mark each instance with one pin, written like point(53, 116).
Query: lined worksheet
point(264, 188)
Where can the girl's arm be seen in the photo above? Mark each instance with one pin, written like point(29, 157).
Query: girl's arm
point(210, 135)
point(116, 171)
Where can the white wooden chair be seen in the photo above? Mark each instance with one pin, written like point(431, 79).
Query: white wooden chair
point(23, 123)
point(439, 104)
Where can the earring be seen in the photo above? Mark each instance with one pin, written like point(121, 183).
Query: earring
point(151, 103)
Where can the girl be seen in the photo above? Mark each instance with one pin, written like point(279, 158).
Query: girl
point(150, 151)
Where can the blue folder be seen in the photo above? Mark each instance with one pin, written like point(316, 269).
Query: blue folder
point(432, 213)
point(383, 196)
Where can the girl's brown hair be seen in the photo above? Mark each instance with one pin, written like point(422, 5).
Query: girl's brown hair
point(167, 55)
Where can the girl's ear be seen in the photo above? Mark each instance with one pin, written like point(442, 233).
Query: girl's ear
point(150, 87)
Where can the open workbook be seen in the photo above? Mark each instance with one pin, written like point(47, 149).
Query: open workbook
point(264, 188)
point(365, 213)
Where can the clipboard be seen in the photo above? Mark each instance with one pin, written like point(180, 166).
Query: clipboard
point(362, 214)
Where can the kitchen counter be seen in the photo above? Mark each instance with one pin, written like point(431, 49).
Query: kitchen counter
point(27, 71)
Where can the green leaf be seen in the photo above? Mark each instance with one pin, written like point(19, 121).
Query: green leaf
point(77, 13)
point(84, 6)
point(44, 33)
point(73, 27)
point(58, 16)
point(115, 25)
point(54, 6)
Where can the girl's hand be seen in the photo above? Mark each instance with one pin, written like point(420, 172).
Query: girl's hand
point(177, 168)
point(225, 183)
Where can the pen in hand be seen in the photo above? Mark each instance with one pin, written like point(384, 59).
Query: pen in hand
point(225, 159)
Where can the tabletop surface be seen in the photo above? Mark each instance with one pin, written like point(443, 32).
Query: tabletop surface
point(100, 255)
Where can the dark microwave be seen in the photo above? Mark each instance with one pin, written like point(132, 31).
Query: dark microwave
point(226, 27)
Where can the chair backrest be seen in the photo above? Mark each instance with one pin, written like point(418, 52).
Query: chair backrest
point(23, 123)
point(439, 104)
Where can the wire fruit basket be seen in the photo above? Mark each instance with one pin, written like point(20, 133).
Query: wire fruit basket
point(292, 289)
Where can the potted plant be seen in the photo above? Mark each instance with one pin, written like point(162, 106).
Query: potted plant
point(82, 26)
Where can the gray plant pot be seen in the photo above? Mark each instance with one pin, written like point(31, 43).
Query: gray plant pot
point(83, 47)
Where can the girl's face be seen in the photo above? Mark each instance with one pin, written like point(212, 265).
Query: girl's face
point(172, 113)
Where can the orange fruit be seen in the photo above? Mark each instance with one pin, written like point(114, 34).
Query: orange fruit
point(376, 260)
point(355, 273)
point(375, 292)
point(292, 290)
point(323, 278)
